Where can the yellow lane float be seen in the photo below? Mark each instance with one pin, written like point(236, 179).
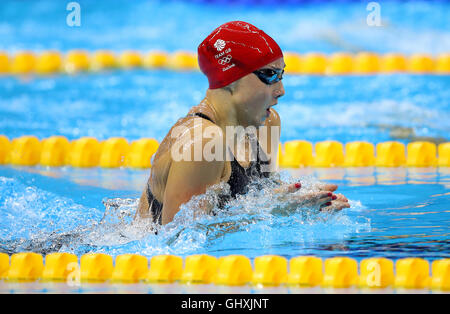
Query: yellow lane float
point(49, 62)
point(23, 63)
point(231, 270)
point(76, 61)
point(103, 60)
point(312, 63)
point(115, 152)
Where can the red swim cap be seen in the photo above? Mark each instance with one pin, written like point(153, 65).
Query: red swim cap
point(234, 50)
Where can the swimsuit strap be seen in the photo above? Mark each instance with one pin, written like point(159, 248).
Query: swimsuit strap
point(258, 147)
point(201, 115)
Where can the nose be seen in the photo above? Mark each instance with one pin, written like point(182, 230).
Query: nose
point(279, 90)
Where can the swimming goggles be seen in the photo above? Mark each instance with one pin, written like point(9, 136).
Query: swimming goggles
point(269, 76)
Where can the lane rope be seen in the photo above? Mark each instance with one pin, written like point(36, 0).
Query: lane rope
point(115, 152)
point(341, 63)
point(231, 270)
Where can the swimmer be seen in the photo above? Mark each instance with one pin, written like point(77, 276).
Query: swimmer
point(244, 67)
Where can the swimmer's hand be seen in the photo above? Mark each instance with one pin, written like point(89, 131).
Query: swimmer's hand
point(294, 187)
point(324, 199)
point(338, 203)
point(290, 188)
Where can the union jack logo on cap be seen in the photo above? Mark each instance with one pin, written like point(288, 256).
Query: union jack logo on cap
point(219, 44)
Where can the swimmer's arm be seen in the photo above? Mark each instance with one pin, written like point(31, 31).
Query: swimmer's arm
point(189, 178)
point(143, 207)
point(186, 179)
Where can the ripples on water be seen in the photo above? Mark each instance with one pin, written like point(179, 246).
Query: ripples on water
point(36, 220)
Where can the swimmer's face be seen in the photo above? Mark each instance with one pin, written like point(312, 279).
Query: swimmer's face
point(254, 98)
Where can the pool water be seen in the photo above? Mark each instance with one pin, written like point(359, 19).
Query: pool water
point(395, 212)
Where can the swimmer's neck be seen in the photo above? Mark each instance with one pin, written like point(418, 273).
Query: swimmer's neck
point(219, 103)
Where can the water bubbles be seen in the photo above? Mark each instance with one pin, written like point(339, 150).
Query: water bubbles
point(258, 222)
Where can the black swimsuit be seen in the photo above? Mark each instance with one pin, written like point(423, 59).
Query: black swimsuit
point(239, 180)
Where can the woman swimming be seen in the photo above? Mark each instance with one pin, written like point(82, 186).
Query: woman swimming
point(244, 67)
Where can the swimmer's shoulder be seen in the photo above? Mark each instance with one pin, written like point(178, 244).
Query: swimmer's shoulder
point(212, 143)
point(188, 145)
point(207, 135)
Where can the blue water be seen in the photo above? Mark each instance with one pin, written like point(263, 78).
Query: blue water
point(146, 103)
point(394, 212)
point(407, 26)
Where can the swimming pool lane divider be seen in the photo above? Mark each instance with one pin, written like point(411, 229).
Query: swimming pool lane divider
point(115, 152)
point(232, 270)
point(342, 63)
